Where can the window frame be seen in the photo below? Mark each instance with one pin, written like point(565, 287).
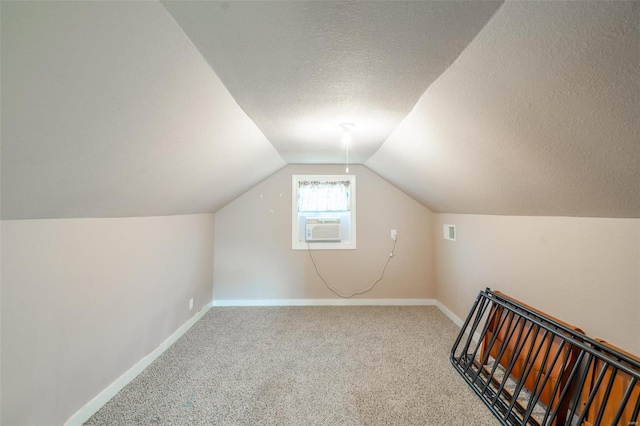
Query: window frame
point(295, 243)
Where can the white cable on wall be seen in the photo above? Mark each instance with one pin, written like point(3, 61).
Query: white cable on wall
point(347, 296)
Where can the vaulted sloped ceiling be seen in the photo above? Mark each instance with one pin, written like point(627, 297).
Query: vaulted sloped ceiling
point(108, 110)
point(539, 116)
point(300, 68)
point(141, 108)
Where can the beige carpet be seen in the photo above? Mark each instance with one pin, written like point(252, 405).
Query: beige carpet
point(304, 366)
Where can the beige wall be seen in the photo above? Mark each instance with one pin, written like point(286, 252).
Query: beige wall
point(585, 271)
point(254, 259)
point(84, 299)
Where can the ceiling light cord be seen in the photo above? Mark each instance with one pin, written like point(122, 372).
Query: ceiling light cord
point(347, 170)
point(348, 296)
point(346, 139)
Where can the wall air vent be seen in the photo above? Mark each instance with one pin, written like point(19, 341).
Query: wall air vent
point(449, 232)
point(323, 230)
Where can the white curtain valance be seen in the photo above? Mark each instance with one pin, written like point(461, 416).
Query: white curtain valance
point(324, 196)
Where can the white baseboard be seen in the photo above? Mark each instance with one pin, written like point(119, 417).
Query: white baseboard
point(453, 317)
point(103, 397)
point(325, 302)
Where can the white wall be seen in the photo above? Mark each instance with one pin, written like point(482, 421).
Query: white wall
point(254, 259)
point(84, 299)
point(585, 271)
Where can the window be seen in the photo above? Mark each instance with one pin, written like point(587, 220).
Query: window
point(323, 212)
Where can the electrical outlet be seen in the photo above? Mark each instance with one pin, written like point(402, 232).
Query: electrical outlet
point(394, 235)
point(191, 303)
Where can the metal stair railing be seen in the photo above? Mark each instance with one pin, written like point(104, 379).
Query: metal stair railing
point(532, 369)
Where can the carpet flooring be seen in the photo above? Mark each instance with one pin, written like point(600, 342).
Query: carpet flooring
point(369, 365)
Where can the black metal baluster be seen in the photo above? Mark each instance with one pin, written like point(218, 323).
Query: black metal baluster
point(535, 394)
point(554, 392)
point(567, 386)
point(496, 331)
point(514, 359)
point(593, 392)
point(475, 352)
point(605, 398)
point(482, 301)
point(633, 420)
point(503, 347)
point(527, 366)
point(625, 399)
point(464, 327)
point(582, 378)
point(511, 363)
point(476, 323)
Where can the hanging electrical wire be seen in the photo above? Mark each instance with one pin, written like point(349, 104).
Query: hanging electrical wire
point(348, 296)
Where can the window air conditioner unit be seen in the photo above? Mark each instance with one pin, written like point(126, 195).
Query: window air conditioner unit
point(323, 230)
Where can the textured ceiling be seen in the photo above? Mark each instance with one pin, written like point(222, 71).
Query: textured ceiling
point(301, 68)
point(539, 116)
point(109, 110)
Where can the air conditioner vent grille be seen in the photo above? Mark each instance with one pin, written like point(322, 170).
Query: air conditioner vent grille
point(323, 230)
